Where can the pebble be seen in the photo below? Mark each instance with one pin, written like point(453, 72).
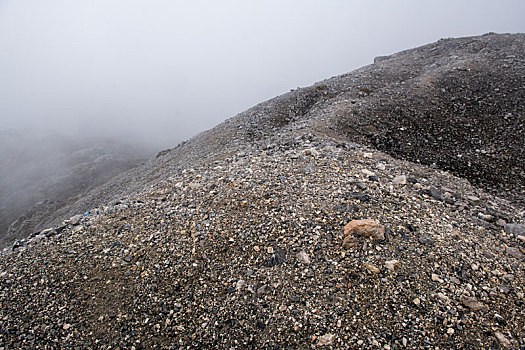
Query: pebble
point(368, 172)
point(350, 242)
point(371, 268)
point(303, 257)
point(514, 252)
point(277, 258)
point(326, 339)
point(427, 240)
point(503, 340)
point(400, 180)
point(472, 303)
point(392, 265)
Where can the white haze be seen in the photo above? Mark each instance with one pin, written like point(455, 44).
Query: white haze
point(161, 71)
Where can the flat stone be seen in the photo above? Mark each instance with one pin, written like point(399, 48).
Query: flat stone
point(471, 303)
point(514, 229)
point(502, 339)
point(427, 240)
point(326, 339)
point(514, 252)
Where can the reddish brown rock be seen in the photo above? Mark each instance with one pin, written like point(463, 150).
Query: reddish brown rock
point(366, 228)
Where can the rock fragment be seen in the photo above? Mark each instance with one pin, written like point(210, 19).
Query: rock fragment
point(514, 229)
point(277, 258)
point(514, 252)
point(350, 242)
point(326, 339)
point(400, 180)
point(472, 303)
point(502, 340)
point(371, 268)
point(427, 240)
point(366, 228)
point(392, 265)
point(303, 257)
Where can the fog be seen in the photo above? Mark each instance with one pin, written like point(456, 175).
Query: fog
point(161, 71)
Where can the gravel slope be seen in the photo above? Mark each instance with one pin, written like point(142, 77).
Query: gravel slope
point(234, 239)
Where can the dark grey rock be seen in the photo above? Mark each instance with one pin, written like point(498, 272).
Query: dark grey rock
point(427, 240)
point(277, 258)
point(514, 229)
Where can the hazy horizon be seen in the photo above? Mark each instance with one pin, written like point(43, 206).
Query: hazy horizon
point(162, 71)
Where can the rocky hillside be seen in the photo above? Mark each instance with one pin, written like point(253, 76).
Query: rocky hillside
point(41, 172)
point(378, 209)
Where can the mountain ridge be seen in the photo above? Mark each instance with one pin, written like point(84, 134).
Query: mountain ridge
point(244, 236)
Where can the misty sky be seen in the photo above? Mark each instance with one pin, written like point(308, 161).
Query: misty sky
point(165, 70)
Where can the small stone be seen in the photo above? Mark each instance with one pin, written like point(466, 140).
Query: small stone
point(455, 280)
point(372, 268)
point(501, 222)
point(392, 265)
point(485, 217)
point(521, 238)
point(456, 235)
point(365, 228)
point(400, 180)
point(303, 257)
point(75, 220)
point(435, 193)
point(269, 250)
point(473, 198)
point(500, 319)
point(326, 339)
point(416, 301)
point(404, 341)
point(496, 273)
point(427, 240)
point(514, 229)
point(256, 248)
point(471, 303)
point(514, 252)
point(443, 297)
point(368, 172)
point(277, 258)
point(350, 242)
point(503, 340)
point(66, 326)
point(436, 278)
point(361, 185)
point(240, 285)
point(381, 166)
point(450, 331)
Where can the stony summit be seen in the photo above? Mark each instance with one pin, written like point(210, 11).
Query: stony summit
point(382, 208)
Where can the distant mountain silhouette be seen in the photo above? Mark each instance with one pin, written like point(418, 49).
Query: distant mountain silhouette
point(41, 171)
